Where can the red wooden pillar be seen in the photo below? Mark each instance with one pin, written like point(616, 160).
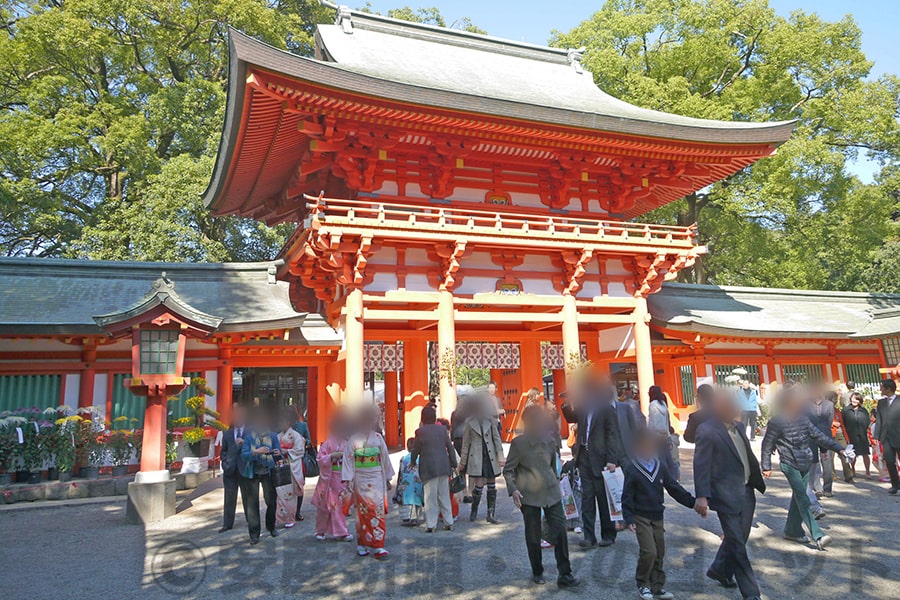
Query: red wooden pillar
point(530, 375)
point(224, 393)
point(153, 454)
point(415, 383)
point(391, 408)
point(319, 403)
point(86, 383)
point(559, 386)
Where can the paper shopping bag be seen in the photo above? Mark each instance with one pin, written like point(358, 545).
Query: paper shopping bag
point(568, 499)
point(614, 482)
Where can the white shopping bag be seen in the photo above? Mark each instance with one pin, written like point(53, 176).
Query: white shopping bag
point(568, 499)
point(614, 482)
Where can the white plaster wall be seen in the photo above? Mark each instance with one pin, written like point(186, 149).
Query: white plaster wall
point(72, 382)
point(617, 290)
point(619, 340)
point(416, 257)
point(212, 380)
point(543, 286)
point(590, 289)
point(418, 283)
point(383, 282)
point(615, 267)
point(100, 383)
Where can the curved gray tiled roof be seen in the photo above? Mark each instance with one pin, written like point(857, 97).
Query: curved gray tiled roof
point(489, 68)
point(57, 296)
point(776, 313)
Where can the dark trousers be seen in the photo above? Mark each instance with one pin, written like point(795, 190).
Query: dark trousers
point(651, 539)
point(827, 471)
point(890, 459)
point(556, 521)
point(593, 493)
point(250, 495)
point(732, 558)
point(231, 483)
point(748, 418)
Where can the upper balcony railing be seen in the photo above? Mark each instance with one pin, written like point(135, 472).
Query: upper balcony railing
point(426, 218)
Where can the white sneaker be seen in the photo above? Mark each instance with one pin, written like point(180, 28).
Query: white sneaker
point(663, 595)
point(644, 593)
point(823, 542)
point(577, 530)
point(320, 537)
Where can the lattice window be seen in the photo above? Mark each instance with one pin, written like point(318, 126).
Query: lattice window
point(892, 350)
point(724, 371)
point(864, 374)
point(802, 373)
point(159, 351)
point(686, 375)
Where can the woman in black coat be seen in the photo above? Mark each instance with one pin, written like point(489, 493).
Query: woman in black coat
point(856, 422)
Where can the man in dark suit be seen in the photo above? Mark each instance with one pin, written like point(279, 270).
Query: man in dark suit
point(435, 456)
point(887, 430)
point(232, 440)
point(629, 421)
point(726, 477)
point(596, 448)
point(701, 415)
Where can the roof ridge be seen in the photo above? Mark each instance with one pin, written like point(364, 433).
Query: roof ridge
point(428, 32)
point(709, 287)
point(78, 263)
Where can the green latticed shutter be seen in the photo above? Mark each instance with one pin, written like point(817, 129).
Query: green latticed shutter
point(26, 391)
point(132, 407)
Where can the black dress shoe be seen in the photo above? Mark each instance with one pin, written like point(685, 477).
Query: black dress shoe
point(467, 499)
point(254, 542)
point(538, 579)
point(605, 543)
point(567, 581)
point(224, 529)
point(273, 533)
point(724, 582)
point(893, 491)
point(586, 545)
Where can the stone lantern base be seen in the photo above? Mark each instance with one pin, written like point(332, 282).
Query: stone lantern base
point(151, 497)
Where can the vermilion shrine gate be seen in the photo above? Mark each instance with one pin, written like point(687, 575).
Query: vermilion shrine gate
point(451, 188)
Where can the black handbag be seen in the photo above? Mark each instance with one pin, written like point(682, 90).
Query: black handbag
point(310, 464)
point(457, 484)
point(281, 474)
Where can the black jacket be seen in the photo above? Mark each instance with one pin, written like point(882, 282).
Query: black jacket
point(822, 416)
point(433, 451)
point(230, 455)
point(792, 440)
point(642, 494)
point(603, 441)
point(718, 471)
point(887, 423)
point(857, 421)
point(695, 420)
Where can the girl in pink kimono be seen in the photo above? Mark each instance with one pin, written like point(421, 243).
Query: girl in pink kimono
point(331, 493)
point(367, 466)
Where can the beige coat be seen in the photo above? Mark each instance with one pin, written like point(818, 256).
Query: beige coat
point(471, 445)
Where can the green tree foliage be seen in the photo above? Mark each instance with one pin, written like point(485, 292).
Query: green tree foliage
point(800, 218)
point(110, 116)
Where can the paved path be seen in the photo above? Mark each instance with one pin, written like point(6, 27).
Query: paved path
point(87, 551)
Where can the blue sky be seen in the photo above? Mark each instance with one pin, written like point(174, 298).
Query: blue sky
point(534, 20)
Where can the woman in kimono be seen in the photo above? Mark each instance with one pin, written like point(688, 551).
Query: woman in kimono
point(367, 468)
point(293, 447)
point(331, 492)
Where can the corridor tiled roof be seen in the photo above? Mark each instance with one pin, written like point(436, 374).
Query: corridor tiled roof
point(58, 296)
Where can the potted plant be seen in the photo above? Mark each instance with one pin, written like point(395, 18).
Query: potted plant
point(196, 438)
point(32, 452)
point(89, 443)
point(9, 451)
point(119, 444)
point(64, 440)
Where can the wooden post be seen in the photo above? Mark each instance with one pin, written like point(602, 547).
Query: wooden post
point(153, 452)
point(224, 393)
point(391, 406)
point(530, 375)
point(559, 386)
point(86, 382)
point(571, 342)
point(415, 383)
point(354, 354)
point(643, 352)
point(446, 353)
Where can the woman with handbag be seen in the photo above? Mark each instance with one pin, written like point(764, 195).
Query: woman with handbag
point(259, 453)
point(482, 455)
point(290, 493)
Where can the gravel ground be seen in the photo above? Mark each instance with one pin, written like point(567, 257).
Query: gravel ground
point(87, 550)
